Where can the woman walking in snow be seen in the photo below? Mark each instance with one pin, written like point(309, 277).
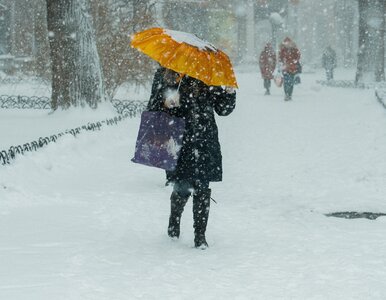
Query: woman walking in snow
point(267, 63)
point(200, 160)
point(289, 57)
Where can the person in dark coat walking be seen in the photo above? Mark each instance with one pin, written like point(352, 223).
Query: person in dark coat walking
point(329, 62)
point(289, 57)
point(200, 160)
point(267, 63)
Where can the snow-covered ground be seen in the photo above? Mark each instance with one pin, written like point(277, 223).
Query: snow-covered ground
point(21, 126)
point(78, 220)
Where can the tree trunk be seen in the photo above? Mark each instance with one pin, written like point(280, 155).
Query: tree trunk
point(371, 41)
point(362, 42)
point(380, 49)
point(76, 72)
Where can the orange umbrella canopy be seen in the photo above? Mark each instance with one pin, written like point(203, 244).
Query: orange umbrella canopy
point(185, 53)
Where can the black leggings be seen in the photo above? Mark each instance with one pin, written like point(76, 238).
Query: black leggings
point(267, 84)
point(186, 188)
point(288, 83)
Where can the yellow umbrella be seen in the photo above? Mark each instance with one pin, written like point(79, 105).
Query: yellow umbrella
point(185, 53)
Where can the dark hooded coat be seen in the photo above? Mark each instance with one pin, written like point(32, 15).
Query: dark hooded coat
point(200, 156)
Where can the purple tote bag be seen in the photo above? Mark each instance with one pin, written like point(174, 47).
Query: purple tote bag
point(159, 140)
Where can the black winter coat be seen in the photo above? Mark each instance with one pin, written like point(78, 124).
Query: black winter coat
point(200, 156)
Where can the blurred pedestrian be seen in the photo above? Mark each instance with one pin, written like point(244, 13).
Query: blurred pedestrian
point(200, 160)
point(289, 58)
point(329, 62)
point(267, 63)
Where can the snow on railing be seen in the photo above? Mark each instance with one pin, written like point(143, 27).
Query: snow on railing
point(380, 87)
point(352, 84)
point(7, 156)
point(124, 108)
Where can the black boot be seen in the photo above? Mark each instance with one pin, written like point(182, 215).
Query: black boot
point(201, 204)
point(177, 204)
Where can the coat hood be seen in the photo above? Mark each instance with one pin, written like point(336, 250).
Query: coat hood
point(288, 43)
point(268, 46)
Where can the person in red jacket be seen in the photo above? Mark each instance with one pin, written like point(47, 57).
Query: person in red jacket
point(289, 57)
point(267, 63)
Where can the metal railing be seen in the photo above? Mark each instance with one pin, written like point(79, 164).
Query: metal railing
point(381, 96)
point(24, 102)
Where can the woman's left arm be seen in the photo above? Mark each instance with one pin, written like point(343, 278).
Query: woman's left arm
point(224, 100)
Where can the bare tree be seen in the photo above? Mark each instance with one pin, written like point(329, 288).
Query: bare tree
point(346, 30)
point(115, 21)
point(41, 51)
point(76, 72)
point(380, 47)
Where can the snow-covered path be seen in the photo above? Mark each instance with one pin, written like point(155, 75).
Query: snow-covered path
point(78, 220)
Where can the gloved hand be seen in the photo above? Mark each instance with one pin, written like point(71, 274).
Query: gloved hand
point(172, 99)
point(230, 90)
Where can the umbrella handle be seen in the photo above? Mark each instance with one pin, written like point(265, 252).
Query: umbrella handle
point(179, 84)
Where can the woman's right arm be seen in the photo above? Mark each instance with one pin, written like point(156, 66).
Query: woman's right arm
point(224, 101)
